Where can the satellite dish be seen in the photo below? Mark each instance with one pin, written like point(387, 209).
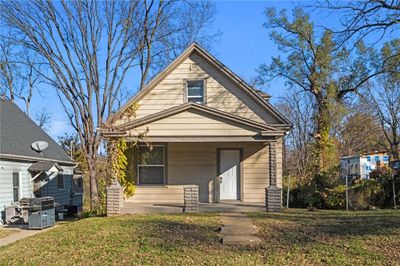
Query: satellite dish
point(40, 145)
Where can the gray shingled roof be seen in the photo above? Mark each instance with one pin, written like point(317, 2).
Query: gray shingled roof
point(43, 166)
point(18, 132)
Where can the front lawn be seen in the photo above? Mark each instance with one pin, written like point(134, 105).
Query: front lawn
point(295, 237)
point(330, 237)
point(4, 232)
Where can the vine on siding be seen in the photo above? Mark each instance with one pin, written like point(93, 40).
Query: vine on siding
point(117, 149)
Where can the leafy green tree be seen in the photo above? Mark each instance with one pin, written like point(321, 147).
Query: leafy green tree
point(316, 65)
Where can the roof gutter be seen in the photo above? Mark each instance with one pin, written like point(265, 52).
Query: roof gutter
point(30, 159)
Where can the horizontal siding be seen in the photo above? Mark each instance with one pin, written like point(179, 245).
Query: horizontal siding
point(7, 168)
point(61, 196)
point(50, 189)
point(256, 173)
point(170, 194)
point(192, 123)
point(196, 163)
point(220, 92)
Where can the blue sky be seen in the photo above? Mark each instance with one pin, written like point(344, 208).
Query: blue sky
point(243, 45)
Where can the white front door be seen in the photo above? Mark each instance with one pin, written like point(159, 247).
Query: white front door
point(229, 169)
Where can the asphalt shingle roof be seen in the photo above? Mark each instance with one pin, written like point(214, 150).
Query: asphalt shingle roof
point(43, 166)
point(18, 132)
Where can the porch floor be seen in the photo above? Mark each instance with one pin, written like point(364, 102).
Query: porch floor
point(224, 206)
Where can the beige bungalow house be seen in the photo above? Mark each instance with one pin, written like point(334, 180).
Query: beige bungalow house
point(207, 127)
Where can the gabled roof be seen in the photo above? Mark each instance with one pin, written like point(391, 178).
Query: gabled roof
point(202, 109)
point(18, 132)
point(218, 65)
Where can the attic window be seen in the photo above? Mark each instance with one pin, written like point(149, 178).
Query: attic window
point(195, 91)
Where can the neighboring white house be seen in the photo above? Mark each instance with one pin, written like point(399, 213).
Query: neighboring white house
point(25, 172)
point(362, 165)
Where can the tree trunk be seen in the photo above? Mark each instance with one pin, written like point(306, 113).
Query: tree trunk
point(94, 194)
point(394, 150)
point(323, 144)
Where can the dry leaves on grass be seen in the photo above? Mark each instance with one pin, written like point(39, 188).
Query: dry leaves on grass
point(4, 232)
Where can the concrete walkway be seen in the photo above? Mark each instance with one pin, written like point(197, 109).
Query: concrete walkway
point(23, 233)
point(237, 229)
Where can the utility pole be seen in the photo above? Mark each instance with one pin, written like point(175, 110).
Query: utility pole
point(395, 167)
point(394, 191)
point(72, 149)
point(347, 185)
point(288, 194)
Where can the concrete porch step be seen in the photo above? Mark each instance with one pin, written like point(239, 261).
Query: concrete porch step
point(229, 230)
point(237, 229)
point(240, 240)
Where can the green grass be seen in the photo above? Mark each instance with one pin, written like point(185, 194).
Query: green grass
point(331, 237)
point(291, 238)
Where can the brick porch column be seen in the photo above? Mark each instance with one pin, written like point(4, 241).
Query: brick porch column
point(115, 199)
point(273, 194)
point(191, 198)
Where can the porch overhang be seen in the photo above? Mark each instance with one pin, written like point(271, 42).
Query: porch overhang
point(254, 131)
point(201, 139)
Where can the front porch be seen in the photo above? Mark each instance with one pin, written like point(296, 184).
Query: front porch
point(225, 176)
point(224, 206)
point(221, 170)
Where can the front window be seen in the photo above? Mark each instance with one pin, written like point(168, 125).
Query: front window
point(78, 182)
point(151, 165)
point(16, 187)
point(195, 91)
point(60, 181)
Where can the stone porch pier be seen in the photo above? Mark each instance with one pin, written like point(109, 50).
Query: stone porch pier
point(273, 194)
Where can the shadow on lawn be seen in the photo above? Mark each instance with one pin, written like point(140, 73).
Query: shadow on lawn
point(185, 231)
point(289, 228)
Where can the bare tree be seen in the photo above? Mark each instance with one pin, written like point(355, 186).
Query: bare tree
point(384, 101)
point(359, 133)
point(43, 119)
point(8, 69)
point(365, 17)
point(297, 107)
point(165, 38)
point(89, 47)
point(19, 75)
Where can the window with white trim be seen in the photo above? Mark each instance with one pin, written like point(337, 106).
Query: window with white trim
point(16, 187)
point(195, 91)
point(151, 165)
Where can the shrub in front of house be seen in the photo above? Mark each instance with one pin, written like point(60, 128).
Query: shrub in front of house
point(329, 192)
